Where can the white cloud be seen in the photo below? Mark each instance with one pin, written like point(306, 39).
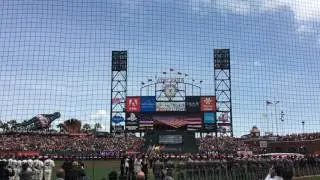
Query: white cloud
point(304, 10)
point(305, 29)
point(100, 116)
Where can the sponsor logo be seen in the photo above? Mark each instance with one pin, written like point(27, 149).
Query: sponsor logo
point(148, 104)
point(223, 117)
point(193, 103)
point(170, 106)
point(117, 119)
point(209, 118)
point(133, 104)
point(132, 117)
point(208, 103)
point(131, 128)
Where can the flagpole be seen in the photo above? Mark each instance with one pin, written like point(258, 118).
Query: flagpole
point(268, 128)
point(275, 114)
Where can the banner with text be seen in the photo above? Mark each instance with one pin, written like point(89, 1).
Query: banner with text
point(192, 103)
point(133, 104)
point(170, 106)
point(208, 103)
point(148, 103)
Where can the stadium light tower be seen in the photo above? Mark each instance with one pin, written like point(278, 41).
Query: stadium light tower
point(222, 78)
point(118, 88)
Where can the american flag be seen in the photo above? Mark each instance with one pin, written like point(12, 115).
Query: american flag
point(174, 123)
point(268, 103)
point(178, 121)
point(145, 125)
point(146, 122)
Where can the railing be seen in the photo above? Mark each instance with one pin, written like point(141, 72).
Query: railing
point(258, 173)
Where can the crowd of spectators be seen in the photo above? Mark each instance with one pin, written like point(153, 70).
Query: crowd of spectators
point(51, 141)
point(212, 144)
point(65, 142)
point(299, 137)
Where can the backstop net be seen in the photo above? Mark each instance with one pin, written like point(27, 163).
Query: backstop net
point(207, 67)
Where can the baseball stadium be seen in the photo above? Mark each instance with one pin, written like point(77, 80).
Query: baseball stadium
point(159, 90)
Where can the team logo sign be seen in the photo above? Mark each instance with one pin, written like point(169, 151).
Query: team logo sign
point(208, 103)
point(170, 90)
point(133, 104)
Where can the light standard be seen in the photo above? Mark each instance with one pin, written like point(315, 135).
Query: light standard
point(302, 126)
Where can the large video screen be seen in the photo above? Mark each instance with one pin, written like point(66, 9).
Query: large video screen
point(144, 113)
point(170, 139)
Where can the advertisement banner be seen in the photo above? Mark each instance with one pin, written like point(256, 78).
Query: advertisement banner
point(148, 103)
point(117, 119)
point(132, 118)
point(209, 118)
point(131, 128)
point(28, 153)
point(146, 118)
point(133, 104)
point(208, 103)
point(223, 117)
point(132, 122)
point(193, 103)
point(146, 121)
point(210, 127)
point(170, 106)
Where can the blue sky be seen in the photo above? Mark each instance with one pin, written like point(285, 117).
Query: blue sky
point(56, 55)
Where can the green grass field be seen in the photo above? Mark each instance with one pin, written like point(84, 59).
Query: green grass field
point(101, 168)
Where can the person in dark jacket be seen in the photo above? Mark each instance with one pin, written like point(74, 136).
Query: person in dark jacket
point(26, 173)
point(145, 168)
point(75, 172)
point(67, 166)
point(113, 175)
point(122, 165)
point(5, 174)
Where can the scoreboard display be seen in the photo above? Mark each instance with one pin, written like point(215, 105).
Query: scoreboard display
point(170, 139)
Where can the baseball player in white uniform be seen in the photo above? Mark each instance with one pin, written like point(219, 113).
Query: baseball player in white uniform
point(10, 168)
point(41, 166)
point(36, 170)
point(17, 169)
point(48, 165)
